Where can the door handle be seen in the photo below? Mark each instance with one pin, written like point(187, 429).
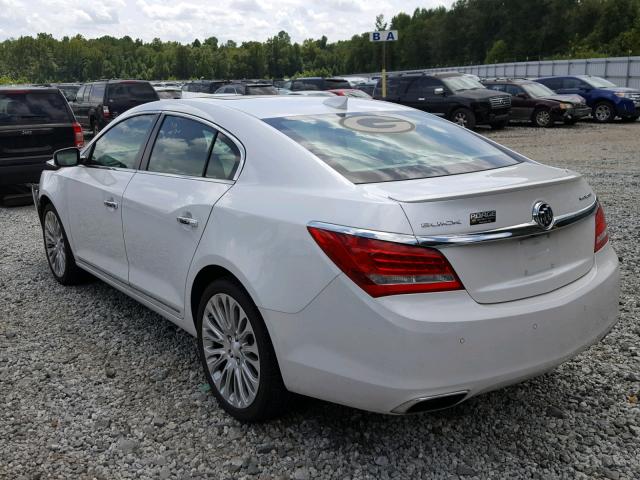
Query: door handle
point(421, 99)
point(111, 204)
point(192, 222)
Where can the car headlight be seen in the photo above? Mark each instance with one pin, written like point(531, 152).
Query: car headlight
point(622, 94)
point(565, 106)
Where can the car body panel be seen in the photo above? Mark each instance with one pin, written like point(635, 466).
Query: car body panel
point(332, 340)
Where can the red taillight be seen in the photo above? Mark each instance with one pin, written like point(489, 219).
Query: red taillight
point(602, 235)
point(105, 111)
point(77, 134)
point(386, 268)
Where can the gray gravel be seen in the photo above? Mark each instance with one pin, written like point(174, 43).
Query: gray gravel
point(92, 385)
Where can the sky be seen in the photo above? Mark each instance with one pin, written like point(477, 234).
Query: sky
point(183, 21)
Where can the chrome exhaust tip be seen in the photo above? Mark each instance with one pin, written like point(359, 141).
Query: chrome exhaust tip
point(432, 403)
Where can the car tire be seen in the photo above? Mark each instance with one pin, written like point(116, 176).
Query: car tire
point(499, 125)
point(631, 119)
point(237, 355)
point(59, 255)
point(542, 118)
point(603, 112)
point(464, 117)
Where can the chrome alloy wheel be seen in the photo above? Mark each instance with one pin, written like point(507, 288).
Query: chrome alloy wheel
point(231, 350)
point(603, 112)
point(543, 118)
point(461, 119)
point(54, 244)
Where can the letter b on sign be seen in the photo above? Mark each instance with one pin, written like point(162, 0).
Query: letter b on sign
point(375, 36)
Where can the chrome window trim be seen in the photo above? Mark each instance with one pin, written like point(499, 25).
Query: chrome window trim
point(505, 233)
point(529, 229)
point(186, 177)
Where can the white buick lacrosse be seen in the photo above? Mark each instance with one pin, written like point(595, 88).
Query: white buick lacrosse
point(350, 250)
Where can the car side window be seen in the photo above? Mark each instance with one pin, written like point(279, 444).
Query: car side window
point(182, 147)
point(496, 87)
point(87, 91)
point(423, 86)
point(553, 83)
point(225, 159)
point(571, 83)
point(80, 93)
point(120, 146)
point(97, 93)
point(513, 89)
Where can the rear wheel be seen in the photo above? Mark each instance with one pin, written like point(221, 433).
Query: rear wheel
point(464, 117)
point(603, 112)
point(237, 355)
point(542, 118)
point(61, 261)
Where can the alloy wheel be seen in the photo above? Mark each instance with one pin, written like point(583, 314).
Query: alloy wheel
point(54, 243)
point(461, 119)
point(543, 118)
point(603, 113)
point(230, 350)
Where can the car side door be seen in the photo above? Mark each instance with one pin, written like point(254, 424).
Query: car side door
point(94, 190)
point(427, 94)
point(522, 105)
point(167, 205)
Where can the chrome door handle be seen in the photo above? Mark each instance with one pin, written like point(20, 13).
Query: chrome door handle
point(421, 99)
point(192, 222)
point(111, 204)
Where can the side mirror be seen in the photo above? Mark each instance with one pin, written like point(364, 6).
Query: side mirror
point(438, 91)
point(67, 157)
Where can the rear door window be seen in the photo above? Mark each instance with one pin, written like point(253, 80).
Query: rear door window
point(32, 108)
point(391, 146)
point(97, 93)
point(262, 90)
point(225, 159)
point(121, 145)
point(182, 147)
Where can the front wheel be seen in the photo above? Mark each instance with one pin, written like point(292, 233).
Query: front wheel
point(542, 118)
point(603, 112)
point(59, 255)
point(237, 355)
point(464, 117)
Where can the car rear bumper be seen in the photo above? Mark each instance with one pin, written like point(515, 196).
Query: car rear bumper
point(379, 354)
point(14, 173)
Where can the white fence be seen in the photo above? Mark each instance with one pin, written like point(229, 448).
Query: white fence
point(623, 71)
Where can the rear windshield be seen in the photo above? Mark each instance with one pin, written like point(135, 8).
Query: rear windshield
point(391, 146)
point(262, 90)
point(136, 92)
point(333, 84)
point(32, 108)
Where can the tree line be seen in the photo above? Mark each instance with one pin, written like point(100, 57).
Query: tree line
point(470, 32)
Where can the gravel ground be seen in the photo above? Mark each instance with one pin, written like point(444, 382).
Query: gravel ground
point(92, 385)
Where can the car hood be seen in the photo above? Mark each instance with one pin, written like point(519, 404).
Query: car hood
point(480, 94)
point(621, 89)
point(565, 98)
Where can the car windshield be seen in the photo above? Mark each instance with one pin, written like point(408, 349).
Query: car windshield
point(391, 146)
point(133, 91)
point(460, 83)
point(32, 108)
point(537, 90)
point(597, 82)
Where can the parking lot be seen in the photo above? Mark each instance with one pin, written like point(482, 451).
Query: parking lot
point(93, 385)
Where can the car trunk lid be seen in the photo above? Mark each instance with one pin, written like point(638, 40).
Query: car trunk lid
point(507, 269)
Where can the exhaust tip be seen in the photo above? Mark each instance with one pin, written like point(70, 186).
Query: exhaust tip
point(432, 403)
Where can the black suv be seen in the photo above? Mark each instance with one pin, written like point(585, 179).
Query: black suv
point(203, 86)
point(532, 101)
point(97, 103)
point(457, 97)
point(316, 83)
point(34, 123)
point(249, 88)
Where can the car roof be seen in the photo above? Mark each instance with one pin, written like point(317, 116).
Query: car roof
point(18, 89)
point(518, 81)
point(270, 106)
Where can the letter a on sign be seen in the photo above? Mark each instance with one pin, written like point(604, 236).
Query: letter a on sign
point(390, 36)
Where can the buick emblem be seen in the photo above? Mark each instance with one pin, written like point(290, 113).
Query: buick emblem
point(543, 215)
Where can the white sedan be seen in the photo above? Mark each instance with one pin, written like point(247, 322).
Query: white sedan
point(351, 250)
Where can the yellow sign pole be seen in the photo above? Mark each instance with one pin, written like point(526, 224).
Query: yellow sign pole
point(384, 69)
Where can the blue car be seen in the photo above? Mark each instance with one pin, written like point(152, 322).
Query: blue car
point(606, 99)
